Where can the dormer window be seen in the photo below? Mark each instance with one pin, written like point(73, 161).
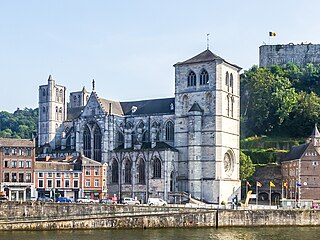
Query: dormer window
point(192, 79)
point(204, 77)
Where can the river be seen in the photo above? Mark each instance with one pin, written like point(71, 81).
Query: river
point(256, 233)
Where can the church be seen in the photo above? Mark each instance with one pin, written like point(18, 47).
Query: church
point(155, 148)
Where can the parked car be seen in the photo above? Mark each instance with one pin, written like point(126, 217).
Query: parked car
point(157, 202)
point(44, 199)
point(63, 200)
point(130, 201)
point(3, 198)
point(87, 200)
point(107, 201)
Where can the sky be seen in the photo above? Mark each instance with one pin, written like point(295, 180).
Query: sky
point(129, 46)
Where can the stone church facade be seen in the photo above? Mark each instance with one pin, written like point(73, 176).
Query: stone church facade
point(158, 147)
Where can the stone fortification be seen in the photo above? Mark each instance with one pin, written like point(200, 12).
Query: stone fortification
point(300, 54)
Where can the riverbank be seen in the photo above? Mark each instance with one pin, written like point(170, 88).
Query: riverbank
point(54, 216)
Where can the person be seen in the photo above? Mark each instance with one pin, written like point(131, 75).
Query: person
point(236, 200)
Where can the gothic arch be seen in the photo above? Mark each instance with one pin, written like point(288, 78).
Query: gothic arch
point(169, 127)
point(114, 171)
point(227, 79)
point(97, 142)
point(204, 77)
point(157, 166)
point(141, 170)
point(192, 79)
point(127, 166)
point(87, 141)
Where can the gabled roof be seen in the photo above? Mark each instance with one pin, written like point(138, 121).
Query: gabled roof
point(74, 112)
point(153, 106)
point(15, 142)
point(315, 133)
point(296, 152)
point(115, 106)
point(205, 56)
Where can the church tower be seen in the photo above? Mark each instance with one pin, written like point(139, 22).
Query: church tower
point(52, 112)
point(207, 132)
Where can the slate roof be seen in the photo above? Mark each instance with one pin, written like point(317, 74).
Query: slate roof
point(115, 106)
point(152, 106)
point(14, 142)
point(147, 145)
point(73, 113)
point(296, 152)
point(205, 56)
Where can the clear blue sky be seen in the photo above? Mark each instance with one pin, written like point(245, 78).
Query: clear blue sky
point(129, 46)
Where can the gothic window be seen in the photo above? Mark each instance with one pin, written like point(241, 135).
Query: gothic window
point(192, 79)
point(231, 82)
point(97, 144)
point(74, 101)
point(169, 131)
point(61, 95)
point(79, 100)
point(57, 113)
point(86, 142)
point(115, 172)
point(60, 114)
point(204, 77)
point(227, 79)
point(43, 109)
point(185, 101)
point(142, 172)
point(120, 138)
point(172, 181)
point(157, 168)
point(43, 92)
point(127, 172)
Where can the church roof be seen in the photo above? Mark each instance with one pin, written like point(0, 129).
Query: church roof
point(153, 106)
point(296, 152)
point(74, 112)
point(205, 56)
point(115, 106)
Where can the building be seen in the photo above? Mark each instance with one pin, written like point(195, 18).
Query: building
point(301, 171)
point(72, 177)
point(300, 54)
point(189, 143)
point(17, 157)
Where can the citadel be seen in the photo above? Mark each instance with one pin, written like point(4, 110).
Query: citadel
point(154, 148)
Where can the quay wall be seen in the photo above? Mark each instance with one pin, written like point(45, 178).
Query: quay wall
point(50, 216)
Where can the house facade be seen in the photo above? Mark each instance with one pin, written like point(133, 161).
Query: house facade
point(154, 148)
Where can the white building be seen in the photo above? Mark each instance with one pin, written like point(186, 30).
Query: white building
point(189, 143)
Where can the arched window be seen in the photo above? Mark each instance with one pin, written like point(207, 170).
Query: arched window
point(157, 168)
point(61, 95)
point(60, 114)
point(97, 144)
point(87, 142)
point(127, 172)
point(44, 92)
point(43, 109)
point(227, 79)
point(169, 131)
point(115, 172)
point(192, 79)
point(57, 113)
point(79, 100)
point(57, 94)
point(231, 80)
point(74, 101)
point(142, 172)
point(204, 77)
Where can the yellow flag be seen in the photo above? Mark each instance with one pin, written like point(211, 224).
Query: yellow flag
point(271, 184)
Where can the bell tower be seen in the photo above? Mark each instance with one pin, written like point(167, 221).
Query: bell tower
point(207, 127)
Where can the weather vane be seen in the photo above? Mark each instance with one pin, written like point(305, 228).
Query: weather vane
point(93, 83)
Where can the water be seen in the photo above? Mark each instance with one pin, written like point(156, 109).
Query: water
point(257, 233)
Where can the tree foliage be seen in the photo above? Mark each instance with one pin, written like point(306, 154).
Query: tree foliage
point(246, 166)
point(20, 124)
point(280, 100)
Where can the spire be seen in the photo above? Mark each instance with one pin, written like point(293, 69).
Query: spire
point(208, 41)
point(93, 85)
point(50, 78)
point(315, 133)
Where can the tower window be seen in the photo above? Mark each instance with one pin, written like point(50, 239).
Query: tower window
point(169, 131)
point(227, 79)
point(192, 79)
point(204, 77)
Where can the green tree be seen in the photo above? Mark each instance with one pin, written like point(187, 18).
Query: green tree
point(246, 167)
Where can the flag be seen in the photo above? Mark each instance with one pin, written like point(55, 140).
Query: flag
point(299, 184)
point(286, 184)
point(272, 34)
point(271, 184)
point(248, 184)
point(259, 184)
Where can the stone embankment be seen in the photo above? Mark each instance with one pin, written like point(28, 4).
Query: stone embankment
point(49, 216)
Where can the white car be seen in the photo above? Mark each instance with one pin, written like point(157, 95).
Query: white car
point(87, 200)
point(156, 202)
point(130, 201)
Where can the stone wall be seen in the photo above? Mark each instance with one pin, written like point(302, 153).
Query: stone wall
point(15, 216)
